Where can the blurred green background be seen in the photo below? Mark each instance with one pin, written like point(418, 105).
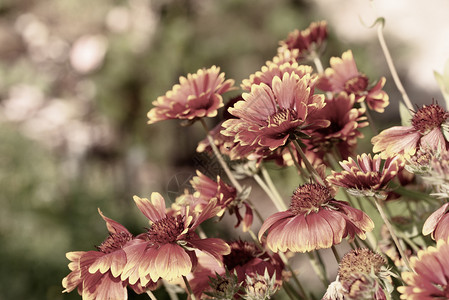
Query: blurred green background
point(77, 78)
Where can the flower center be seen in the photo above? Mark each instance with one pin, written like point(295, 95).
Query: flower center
point(356, 84)
point(429, 117)
point(359, 261)
point(241, 253)
point(281, 116)
point(309, 197)
point(114, 241)
point(166, 230)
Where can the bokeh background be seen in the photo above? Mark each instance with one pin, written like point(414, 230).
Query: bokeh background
point(77, 78)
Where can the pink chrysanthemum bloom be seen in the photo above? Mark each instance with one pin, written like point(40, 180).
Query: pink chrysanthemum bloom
point(271, 69)
point(343, 76)
point(429, 281)
point(207, 189)
point(315, 220)
point(438, 224)
point(359, 274)
point(96, 274)
point(270, 116)
point(226, 144)
point(166, 249)
point(343, 132)
point(365, 177)
point(309, 42)
point(426, 131)
point(197, 96)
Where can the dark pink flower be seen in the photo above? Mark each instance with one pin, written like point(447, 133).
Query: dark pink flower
point(97, 274)
point(166, 249)
point(315, 220)
point(207, 189)
point(365, 176)
point(343, 132)
point(308, 43)
point(429, 281)
point(269, 116)
point(197, 96)
point(343, 76)
point(426, 131)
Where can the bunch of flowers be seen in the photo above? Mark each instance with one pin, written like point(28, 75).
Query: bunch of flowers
point(302, 116)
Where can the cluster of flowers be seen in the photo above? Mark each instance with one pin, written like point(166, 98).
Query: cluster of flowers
point(293, 115)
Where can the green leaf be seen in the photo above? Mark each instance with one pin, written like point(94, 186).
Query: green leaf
point(405, 114)
point(443, 82)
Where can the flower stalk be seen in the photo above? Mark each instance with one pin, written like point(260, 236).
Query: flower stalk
point(393, 234)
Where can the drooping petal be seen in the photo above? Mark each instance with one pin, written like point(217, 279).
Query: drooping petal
point(212, 246)
point(171, 262)
point(272, 220)
point(396, 140)
point(432, 221)
point(134, 257)
point(113, 226)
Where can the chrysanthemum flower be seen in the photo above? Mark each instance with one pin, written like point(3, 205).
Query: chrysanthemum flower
point(271, 69)
point(308, 42)
point(226, 144)
point(197, 96)
point(343, 76)
point(225, 195)
point(426, 131)
point(96, 274)
point(269, 116)
point(359, 274)
point(343, 132)
point(166, 249)
point(314, 220)
point(366, 177)
point(438, 224)
point(429, 281)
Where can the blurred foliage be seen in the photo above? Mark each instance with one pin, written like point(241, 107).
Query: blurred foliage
point(75, 141)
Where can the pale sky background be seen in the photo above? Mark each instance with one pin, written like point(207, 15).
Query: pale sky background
point(423, 25)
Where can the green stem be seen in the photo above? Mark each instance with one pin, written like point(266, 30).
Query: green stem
point(317, 63)
point(295, 278)
point(272, 187)
point(318, 266)
point(223, 164)
point(412, 194)
point(335, 252)
point(357, 244)
point(256, 240)
point(189, 288)
point(280, 206)
point(290, 291)
point(410, 242)
point(392, 68)
point(152, 297)
point(393, 234)
point(302, 173)
point(309, 166)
